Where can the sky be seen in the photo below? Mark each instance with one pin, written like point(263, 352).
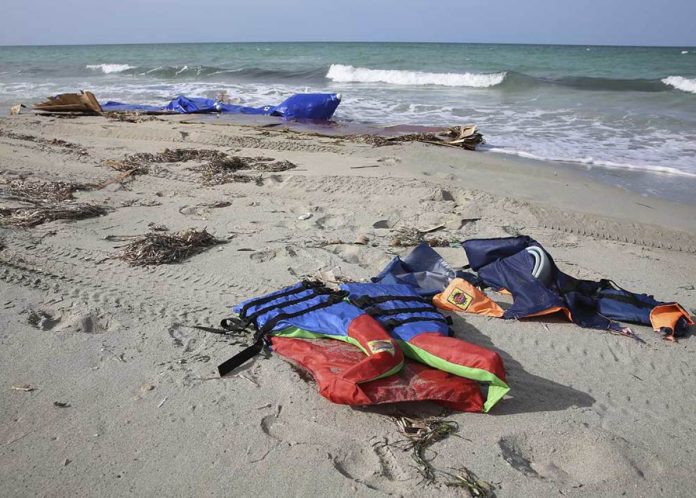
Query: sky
point(597, 22)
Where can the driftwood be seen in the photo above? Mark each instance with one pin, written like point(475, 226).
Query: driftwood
point(83, 103)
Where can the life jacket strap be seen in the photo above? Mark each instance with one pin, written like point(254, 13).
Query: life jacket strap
point(316, 291)
point(367, 301)
point(240, 358)
point(375, 311)
point(260, 336)
point(304, 285)
point(394, 323)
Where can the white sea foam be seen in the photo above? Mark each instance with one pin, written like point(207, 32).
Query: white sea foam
point(590, 161)
point(345, 74)
point(681, 83)
point(110, 68)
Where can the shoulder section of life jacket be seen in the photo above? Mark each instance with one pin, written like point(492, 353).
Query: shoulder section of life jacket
point(666, 317)
point(461, 296)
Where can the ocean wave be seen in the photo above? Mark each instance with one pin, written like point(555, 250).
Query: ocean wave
point(340, 73)
point(681, 83)
point(589, 161)
point(110, 68)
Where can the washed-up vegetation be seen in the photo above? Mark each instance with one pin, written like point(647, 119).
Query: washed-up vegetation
point(158, 247)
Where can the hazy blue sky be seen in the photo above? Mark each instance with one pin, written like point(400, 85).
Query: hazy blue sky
point(623, 22)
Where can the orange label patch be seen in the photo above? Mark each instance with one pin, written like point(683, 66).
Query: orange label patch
point(460, 299)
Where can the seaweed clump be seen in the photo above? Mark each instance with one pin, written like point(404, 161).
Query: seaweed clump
point(157, 248)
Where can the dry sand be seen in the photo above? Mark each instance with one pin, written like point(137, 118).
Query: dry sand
point(589, 413)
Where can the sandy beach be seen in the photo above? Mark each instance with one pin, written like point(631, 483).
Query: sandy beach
point(107, 391)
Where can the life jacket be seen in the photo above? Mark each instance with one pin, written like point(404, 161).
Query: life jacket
point(423, 334)
point(310, 310)
point(353, 359)
point(325, 359)
point(521, 266)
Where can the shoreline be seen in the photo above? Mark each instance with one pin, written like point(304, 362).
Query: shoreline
point(645, 182)
point(125, 398)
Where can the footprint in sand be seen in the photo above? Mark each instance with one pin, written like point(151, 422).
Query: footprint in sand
point(581, 456)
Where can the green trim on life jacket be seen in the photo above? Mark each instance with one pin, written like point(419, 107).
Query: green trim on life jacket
point(496, 387)
point(298, 333)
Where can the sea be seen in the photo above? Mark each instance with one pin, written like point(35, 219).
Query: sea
point(595, 107)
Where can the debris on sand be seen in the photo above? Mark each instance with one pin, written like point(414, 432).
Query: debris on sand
point(420, 435)
point(217, 168)
point(225, 170)
point(465, 137)
point(410, 236)
point(55, 142)
point(129, 117)
point(24, 387)
point(158, 248)
point(38, 191)
point(27, 217)
point(82, 103)
point(176, 156)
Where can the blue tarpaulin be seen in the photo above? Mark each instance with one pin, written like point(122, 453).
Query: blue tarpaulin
point(315, 106)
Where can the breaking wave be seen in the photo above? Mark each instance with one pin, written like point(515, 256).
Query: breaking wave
point(110, 68)
point(340, 73)
point(681, 83)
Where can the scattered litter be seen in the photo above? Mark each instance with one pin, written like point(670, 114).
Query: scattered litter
point(147, 387)
point(362, 240)
point(24, 387)
point(82, 103)
point(161, 403)
point(305, 216)
point(61, 404)
point(465, 137)
point(161, 248)
point(66, 462)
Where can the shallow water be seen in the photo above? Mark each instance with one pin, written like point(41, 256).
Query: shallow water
point(625, 108)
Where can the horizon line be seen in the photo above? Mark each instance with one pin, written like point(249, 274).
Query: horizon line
point(345, 42)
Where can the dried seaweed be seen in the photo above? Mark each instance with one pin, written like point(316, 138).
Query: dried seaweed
point(410, 236)
point(224, 170)
point(27, 217)
point(158, 248)
point(129, 116)
point(55, 142)
point(39, 191)
point(420, 435)
point(176, 156)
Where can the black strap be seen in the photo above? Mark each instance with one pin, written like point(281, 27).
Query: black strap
point(240, 358)
point(375, 311)
point(318, 291)
point(392, 324)
point(306, 284)
point(367, 301)
point(260, 336)
point(222, 331)
point(270, 324)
